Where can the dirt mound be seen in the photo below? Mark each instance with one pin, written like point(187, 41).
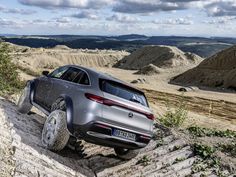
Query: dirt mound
point(149, 70)
point(160, 56)
point(52, 58)
point(216, 71)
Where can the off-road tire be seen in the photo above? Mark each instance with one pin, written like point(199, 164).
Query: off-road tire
point(24, 105)
point(55, 134)
point(126, 154)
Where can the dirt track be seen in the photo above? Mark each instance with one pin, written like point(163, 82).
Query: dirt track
point(22, 133)
point(219, 109)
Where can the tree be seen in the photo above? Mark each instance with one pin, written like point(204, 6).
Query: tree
point(9, 78)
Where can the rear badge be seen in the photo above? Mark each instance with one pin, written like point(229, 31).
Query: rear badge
point(130, 115)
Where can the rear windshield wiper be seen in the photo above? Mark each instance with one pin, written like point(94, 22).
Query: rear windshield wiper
point(136, 101)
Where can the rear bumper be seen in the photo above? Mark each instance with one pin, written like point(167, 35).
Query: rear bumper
point(100, 133)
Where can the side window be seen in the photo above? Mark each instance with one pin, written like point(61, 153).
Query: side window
point(82, 78)
point(58, 72)
point(76, 75)
point(71, 74)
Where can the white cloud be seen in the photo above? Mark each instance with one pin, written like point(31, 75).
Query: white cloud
point(176, 21)
point(123, 18)
point(221, 8)
point(211, 7)
point(63, 20)
point(16, 11)
point(6, 23)
point(220, 20)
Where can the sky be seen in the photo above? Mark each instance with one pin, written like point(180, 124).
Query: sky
point(204, 18)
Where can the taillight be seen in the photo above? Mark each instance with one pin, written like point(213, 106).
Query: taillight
point(150, 116)
point(94, 98)
point(109, 102)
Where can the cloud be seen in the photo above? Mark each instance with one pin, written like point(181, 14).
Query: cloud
point(5, 23)
point(221, 8)
point(211, 7)
point(220, 20)
point(123, 18)
point(86, 15)
point(176, 21)
point(17, 11)
point(140, 6)
point(83, 4)
point(63, 20)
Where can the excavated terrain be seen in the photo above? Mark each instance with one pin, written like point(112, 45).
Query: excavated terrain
point(38, 59)
point(217, 71)
point(160, 56)
point(166, 154)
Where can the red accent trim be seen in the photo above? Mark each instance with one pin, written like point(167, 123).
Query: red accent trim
point(109, 102)
point(102, 126)
point(145, 137)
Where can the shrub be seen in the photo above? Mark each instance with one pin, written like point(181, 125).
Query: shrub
point(228, 148)
point(200, 132)
point(143, 161)
point(9, 79)
point(175, 117)
point(203, 151)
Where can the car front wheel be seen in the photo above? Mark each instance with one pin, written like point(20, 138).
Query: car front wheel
point(126, 154)
point(55, 134)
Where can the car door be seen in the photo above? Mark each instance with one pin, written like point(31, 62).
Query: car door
point(44, 87)
point(65, 84)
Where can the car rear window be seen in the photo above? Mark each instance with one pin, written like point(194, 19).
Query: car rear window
point(123, 91)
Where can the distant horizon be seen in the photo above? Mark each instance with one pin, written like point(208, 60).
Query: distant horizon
point(115, 35)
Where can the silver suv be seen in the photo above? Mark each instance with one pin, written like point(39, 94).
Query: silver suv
point(85, 104)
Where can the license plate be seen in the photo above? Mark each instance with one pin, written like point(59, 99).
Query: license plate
point(124, 134)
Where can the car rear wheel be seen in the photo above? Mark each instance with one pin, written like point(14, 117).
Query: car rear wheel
point(24, 105)
point(55, 134)
point(126, 154)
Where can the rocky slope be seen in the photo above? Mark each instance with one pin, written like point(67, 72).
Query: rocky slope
point(216, 71)
point(166, 155)
point(160, 56)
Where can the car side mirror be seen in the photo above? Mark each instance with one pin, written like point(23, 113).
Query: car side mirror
point(45, 73)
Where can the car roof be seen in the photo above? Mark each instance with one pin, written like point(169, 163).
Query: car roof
point(104, 76)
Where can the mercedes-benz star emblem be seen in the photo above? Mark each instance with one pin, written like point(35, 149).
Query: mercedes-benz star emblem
point(131, 115)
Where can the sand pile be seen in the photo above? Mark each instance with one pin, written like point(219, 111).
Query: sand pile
point(52, 58)
point(216, 71)
point(160, 56)
point(149, 70)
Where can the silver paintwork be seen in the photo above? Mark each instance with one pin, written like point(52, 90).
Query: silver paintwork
point(86, 111)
